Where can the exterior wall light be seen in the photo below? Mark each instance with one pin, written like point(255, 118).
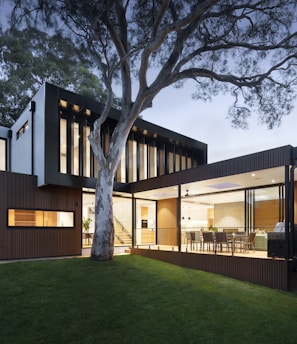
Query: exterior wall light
point(76, 108)
point(63, 103)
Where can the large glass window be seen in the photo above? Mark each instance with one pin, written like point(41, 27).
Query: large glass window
point(145, 222)
point(121, 170)
point(267, 208)
point(75, 148)
point(142, 161)
point(122, 219)
point(183, 162)
point(189, 162)
point(2, 155)
point(40, 218)
point(177, 161)
point(63, 145)
point(152, 161)
point(88, 220)
point(86, 152)
point(146, 155)
point(132, 161)
point(171, 162)
point(224, 211)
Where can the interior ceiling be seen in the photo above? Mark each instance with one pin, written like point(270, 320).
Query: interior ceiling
point(219, 186)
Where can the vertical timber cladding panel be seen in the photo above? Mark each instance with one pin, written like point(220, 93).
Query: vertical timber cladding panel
point(266, 214)
point(267, 272)
point(20, 191)
point(167, 222)
point(3, 192)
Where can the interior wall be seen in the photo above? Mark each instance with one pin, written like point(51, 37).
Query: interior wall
point(229, 215)
point(167, 222)
point(266, 214)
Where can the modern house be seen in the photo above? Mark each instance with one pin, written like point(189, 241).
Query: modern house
point(163, 190)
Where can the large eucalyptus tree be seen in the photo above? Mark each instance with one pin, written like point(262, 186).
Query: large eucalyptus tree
point(246, 48)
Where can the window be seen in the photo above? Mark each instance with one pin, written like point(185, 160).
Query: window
point(152, 161)
point(121, 170)
point(22, 129)
point(40, 218)
point(142, 147)
point(183, 162)
point(75, 148)
point(145, 222)
point(132, 162)
point(171, 162)
point(63, 145)
point(2, 155)
point(177, 161)
point(86, 152)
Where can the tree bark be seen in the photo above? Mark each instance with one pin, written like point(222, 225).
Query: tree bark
point(102, 248)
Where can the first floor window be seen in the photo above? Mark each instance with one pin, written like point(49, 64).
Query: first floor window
point(2, 155)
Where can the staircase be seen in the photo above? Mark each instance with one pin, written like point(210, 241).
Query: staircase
point(121, 234)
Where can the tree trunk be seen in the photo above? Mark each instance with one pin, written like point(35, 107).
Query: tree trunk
point(103, 242)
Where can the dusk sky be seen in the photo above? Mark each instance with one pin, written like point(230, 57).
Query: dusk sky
point(175, 109)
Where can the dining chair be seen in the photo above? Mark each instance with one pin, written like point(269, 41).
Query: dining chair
point(249, 242)
point(195, 240)
point(221, 241)
point(189, 239)
point(208, 240)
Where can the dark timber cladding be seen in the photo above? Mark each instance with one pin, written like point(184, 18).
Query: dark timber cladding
point(272, 273)
point(20, 192)
point(258, 161)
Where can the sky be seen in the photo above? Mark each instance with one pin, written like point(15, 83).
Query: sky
point(175, 109)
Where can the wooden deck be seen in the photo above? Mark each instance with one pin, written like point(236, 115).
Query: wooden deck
point(254, 267)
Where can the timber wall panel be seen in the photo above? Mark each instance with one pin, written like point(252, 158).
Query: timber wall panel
point(167, 222)
point(271, 273)
point(20, 191)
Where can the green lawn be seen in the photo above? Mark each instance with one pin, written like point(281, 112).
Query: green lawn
point(137, 300)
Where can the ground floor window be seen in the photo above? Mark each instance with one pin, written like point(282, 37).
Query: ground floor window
point(122, 218)
point(40, 218)
point(145, 232)
point(246, 210)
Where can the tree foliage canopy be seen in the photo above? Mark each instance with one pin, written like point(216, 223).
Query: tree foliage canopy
point(30, 57)
point(246, 48)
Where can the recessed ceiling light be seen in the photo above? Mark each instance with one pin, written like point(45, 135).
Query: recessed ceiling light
point(253, 174)
point(273, 181)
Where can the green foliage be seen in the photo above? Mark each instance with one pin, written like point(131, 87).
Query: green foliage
point(30, 57)
point(244, 48)
point(137, 300)
point(86, 223)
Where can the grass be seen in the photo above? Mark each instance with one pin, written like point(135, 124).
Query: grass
point(134, 299)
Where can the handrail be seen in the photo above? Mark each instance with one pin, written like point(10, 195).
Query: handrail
point(122, 227)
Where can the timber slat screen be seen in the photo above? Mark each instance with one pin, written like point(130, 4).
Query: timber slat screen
point(272, 273)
